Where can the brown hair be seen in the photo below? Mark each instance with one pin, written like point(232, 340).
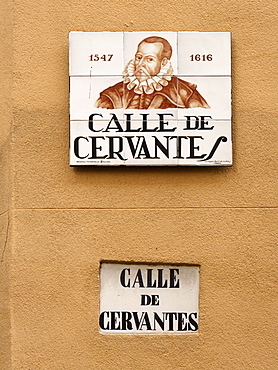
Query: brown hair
point(167, 48)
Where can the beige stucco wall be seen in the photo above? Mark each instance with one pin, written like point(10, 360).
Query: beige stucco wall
point(6, 33)
point(66, 220)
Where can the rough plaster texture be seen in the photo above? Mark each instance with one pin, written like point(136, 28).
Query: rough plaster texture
point(66, 220)
point(5, 179)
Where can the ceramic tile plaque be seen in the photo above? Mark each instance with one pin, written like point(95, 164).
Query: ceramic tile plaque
point(150, 98)
point(148, 299)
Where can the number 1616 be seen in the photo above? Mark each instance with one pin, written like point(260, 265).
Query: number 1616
point(199, 57)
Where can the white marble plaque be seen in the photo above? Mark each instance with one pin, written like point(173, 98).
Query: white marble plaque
point(148, 299)
point(150, 98)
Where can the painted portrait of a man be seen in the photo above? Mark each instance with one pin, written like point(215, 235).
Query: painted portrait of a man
point(149, 83)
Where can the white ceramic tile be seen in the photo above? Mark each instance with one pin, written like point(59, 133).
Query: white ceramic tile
point(84, 93)
point(196, 146)
point(132, 39)
point(96, 147)
point(217, 93)
point(153, 148)
point(204, 53)
point(96, 53)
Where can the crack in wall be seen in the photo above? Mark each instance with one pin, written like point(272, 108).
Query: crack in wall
point(6, 239)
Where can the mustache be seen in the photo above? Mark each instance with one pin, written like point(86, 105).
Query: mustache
point(139, 71)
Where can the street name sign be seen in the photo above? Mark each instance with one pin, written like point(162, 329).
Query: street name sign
point(148, 299)
point(150, 98)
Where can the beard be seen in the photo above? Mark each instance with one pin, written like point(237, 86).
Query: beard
point(141, 81)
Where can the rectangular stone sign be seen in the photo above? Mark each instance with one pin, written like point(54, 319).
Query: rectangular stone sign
point(148, 299)
point(150, 98)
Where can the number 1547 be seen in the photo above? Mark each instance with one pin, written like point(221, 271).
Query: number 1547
point(103, 58)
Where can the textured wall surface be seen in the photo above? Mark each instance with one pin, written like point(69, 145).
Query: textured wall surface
point(5, 178)
point(66, 220)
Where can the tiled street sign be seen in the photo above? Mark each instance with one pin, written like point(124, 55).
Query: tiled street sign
point(150, 98)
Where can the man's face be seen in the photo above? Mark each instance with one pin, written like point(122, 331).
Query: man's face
point(148, 60)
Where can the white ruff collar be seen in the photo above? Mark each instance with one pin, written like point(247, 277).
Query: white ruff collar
point(152, 83)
